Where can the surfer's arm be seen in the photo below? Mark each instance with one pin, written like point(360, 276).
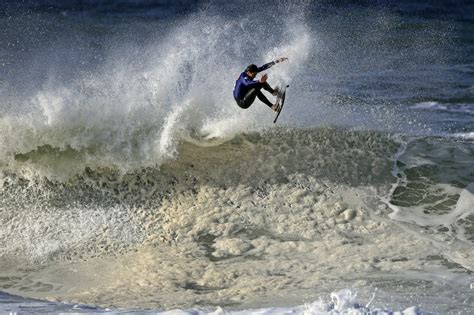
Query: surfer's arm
point(271, 64)
point(266, 66)
point(250, 83)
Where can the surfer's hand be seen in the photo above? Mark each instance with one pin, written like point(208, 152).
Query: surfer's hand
point(264, 78)
point(281, 59)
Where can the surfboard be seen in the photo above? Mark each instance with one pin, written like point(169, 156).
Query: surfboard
point(281, 102)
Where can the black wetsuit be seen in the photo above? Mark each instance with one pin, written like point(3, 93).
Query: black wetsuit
point(246, 89)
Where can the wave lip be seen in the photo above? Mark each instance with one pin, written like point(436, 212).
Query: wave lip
point(451, 108)
point(464, 135)
point(429, 105)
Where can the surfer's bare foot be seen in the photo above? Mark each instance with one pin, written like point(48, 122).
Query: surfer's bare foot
point(275, 107)
point(276, 91)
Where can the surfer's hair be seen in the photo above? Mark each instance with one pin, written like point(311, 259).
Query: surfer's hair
point(251, 68)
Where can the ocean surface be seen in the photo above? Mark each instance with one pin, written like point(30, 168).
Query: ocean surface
point(130, 181)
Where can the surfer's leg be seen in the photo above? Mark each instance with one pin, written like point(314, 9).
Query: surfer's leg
point(248, 99)
point(264, 99)
point(268, 88)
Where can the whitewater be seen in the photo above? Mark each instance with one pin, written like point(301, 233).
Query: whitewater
point(130, 181)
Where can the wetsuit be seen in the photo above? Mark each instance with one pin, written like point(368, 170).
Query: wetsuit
point(246, 89)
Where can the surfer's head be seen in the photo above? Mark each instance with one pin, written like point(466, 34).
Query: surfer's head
point(251, 71)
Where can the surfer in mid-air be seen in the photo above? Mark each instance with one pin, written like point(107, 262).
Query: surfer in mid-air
point(247, 89)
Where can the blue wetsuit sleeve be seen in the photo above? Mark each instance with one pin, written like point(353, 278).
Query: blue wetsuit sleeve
point(266, 66)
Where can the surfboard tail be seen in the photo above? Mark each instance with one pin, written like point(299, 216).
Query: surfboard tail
point(281, 101)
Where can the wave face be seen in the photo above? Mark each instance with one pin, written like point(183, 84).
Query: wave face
point(129, 178)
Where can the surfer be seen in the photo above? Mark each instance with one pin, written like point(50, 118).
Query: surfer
point(247, 89)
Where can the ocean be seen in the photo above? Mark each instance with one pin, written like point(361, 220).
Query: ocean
point(130, 181)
